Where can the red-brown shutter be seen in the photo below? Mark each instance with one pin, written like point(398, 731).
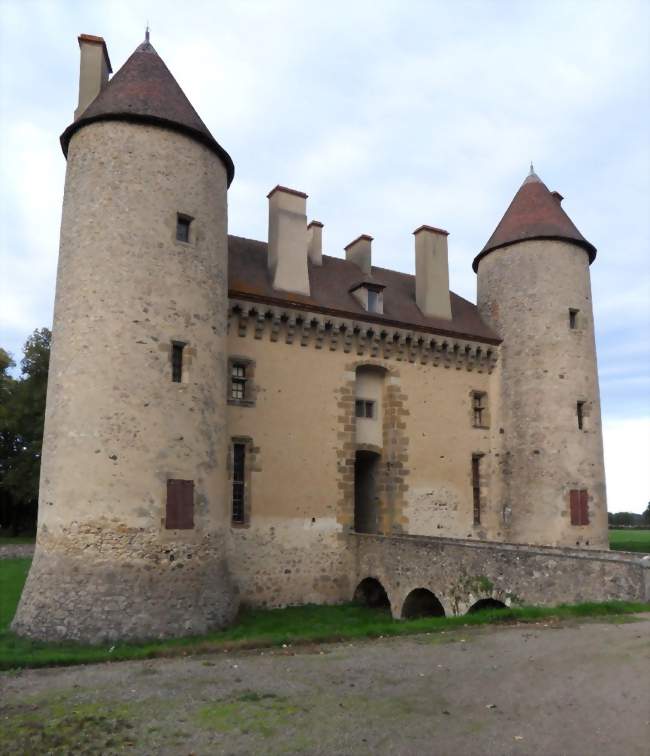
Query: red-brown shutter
point(179, 514)
point(574, 502)
point(584, 507)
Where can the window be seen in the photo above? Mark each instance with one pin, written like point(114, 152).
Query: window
point(580, 413)
point(579, 505)
point(238, 482)
point(179, 511)
point(476, 487)
point(573, 318)
point(237, 381)
point(177, 361)
point(364, 408)
point(373, 301)
point(183, 228)
point(479, 409)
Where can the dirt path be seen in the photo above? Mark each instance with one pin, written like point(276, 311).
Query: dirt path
point(531, 689)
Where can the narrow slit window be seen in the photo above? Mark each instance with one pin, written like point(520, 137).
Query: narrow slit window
point(478, 408)
point(183, 223)
point(573, 319)
point(177, 361)
point(238, 482)
point(238, 381)
point(476, 487)
point(364, 408)
point(580, 413)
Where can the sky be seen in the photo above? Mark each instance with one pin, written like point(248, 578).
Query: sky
point(388, 115)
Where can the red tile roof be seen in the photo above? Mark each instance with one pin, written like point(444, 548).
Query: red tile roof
point(330, 285)
point(534, 213)
point(144, 90)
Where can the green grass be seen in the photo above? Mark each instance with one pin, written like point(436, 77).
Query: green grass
point(630, 540)
point(261, 628)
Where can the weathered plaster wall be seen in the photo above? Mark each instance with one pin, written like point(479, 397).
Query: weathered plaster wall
point(525, 292)
point(460, 573)
point(116, 426)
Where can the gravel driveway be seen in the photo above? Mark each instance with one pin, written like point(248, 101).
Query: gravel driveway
point(555, 688)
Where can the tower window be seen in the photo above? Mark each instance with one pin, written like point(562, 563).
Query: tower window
point(476, 487)
point(237, 381)
point(579, 506)
point(364, 408)
point(179, 511)
point(479, 409)
point(177, 361)
point(238, 482)
point(573, 319)
point(580, 413)
point(183, 228)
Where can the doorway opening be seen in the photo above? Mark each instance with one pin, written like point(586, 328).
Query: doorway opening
point(366, 503)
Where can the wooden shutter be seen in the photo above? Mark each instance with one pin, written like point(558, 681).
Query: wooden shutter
point(179, 514)
point(584, 507)
point(574, 502)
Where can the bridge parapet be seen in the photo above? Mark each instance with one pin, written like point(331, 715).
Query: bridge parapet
point(462, 572)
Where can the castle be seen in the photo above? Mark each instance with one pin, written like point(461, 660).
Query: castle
point(228, 418)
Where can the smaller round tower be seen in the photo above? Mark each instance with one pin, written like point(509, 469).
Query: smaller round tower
point(534, 290)
point(133, 522)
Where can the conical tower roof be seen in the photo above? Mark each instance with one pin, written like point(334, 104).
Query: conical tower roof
point(534, 213)
point(144, 90)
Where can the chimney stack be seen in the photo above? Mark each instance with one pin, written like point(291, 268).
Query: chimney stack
point(287, 260)
point(432, 272)
point(359, 252)
point(315, 242)
point(94, 68)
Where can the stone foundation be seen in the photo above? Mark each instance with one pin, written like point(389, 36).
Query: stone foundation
point(125, 585)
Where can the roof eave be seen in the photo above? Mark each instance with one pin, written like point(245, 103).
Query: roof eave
point(199, 136)
point(587, 246)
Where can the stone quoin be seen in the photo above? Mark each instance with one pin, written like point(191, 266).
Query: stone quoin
point(233, 422)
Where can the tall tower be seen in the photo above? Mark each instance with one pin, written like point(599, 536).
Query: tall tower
point(534, 290)
point(133, 523)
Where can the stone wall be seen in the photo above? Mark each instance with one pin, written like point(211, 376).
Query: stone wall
point(460, 573)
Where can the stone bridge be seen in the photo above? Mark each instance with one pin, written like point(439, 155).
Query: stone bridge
point(424, 575)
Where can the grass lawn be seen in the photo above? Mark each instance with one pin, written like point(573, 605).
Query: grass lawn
point(622, 539)
point(15, 540)
point(301, 624)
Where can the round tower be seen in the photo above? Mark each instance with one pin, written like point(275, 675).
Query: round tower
point(133, 521)
point(534, 290)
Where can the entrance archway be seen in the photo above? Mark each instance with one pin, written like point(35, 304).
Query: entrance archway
point(366, 507)
point(422, 603)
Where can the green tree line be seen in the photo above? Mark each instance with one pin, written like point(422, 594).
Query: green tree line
point(22, 412)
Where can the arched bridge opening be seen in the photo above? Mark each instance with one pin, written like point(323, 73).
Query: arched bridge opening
point(422, 603)
point(370, 592)
point(486, 604)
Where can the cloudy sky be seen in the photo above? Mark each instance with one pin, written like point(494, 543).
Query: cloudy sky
point(389, 115)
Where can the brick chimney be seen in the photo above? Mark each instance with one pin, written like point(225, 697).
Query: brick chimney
point(359, 252)
point(94, 69)
point(287, 260)
point(432, 272)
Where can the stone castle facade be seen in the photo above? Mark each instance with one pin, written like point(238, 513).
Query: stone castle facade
point(224, 415)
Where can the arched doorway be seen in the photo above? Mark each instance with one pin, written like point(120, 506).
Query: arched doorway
point(366, 505)
point(371, 592)
point(486, 604)
point(422, 603)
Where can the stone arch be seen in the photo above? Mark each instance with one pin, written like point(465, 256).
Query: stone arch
point(421, 602)
point(485, 604)
point(372, 593)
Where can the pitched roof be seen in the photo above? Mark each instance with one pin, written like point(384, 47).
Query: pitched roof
point(144, 90)
point(534, 213)
point(330, 284)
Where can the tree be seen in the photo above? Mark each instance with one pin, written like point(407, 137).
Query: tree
point(645, 517)
point(22, 412)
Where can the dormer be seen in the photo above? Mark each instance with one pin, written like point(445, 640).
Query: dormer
point(369, 294)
